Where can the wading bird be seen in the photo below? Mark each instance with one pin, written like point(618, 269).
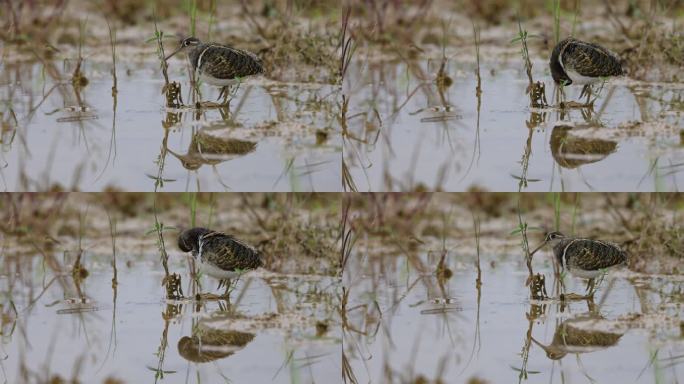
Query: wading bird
point(219, 255)
point(576, 336)
point(578, 62)
point(585, 258)
point(219, 64)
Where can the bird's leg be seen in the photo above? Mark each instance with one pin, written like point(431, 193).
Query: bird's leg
point(586, 90)
point(591, 306)
point(234, 285)
point(224, 91)
point(226, 94)
point(237, 87)
point(589, 95)
point(228, 284)
point(225, 113)
point(590, 288)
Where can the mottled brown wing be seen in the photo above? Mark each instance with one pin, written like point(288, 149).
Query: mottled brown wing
point(591, 60)
point(571, 151)
point(209, 144)
point(222, 62)
point(592, 255)
point(228, 253)
point(567, 335)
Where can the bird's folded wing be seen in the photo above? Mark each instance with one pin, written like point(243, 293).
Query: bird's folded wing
point(222, 62)
point(591, 60)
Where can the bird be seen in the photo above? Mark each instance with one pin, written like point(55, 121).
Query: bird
point(208, 149)
point(578, 62)
point(584, 258)
point(219, 255)
point(572, 151)
point(209, 344)
point(219, 64)
point(574, 336)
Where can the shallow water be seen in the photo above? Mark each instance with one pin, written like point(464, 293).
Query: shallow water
point(277, 136)
point(406, 135)
point(270, 335)
point(403, 324)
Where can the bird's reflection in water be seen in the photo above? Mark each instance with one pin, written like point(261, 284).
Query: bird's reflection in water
point(209, 149)
point(579, 335)
point(209, 344)
point(571, 151)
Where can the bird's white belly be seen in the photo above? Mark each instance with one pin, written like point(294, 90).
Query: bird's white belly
point(216, 272)
point(584, 274)
point(218, 82)
point(579, 79)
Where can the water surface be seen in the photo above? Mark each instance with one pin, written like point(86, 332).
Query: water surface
point(406, 133)
point(405, 324)
point(278, 328)
point(275, 137)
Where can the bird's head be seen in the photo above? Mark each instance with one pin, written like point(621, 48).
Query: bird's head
point(187, 43)
point(188, 240)
point(552, 352)
point(551, 238)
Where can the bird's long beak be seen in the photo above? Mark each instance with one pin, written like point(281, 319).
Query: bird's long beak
point(173, 53)
point(538, 248)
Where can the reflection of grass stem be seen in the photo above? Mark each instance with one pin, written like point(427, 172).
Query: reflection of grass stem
point(347, 178)
point(161, 350)
point(478, 285)
point(78, 79)
point(161, 160)
point(476, 227)
point(112, 142)
point(78, 271)
point(348, 238)
point(112, 234)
